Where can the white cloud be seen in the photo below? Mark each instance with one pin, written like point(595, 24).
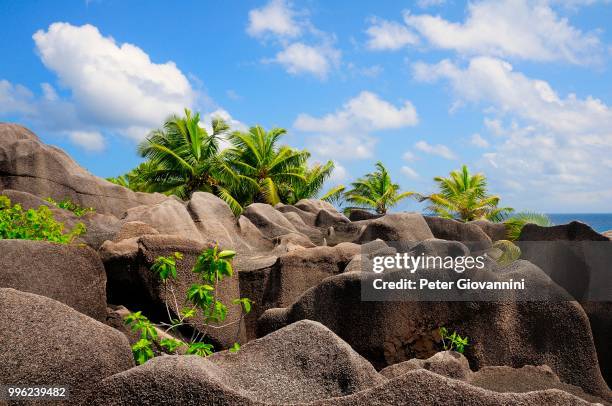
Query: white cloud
point(430, 3)
point(304, 49)
point(14, 98)
point(300, 58)
point(439, 150)
point(409, 156)
point(91, 141)
point(408, 171)
point(388, 35)
point(346, 132)
point(112, 88)
point(478, 141)
point(339, 174)
point(366, 111)
point(551, 152)
point(495, 82)
point(114, 84)
point(276, 17)
point(521, 29)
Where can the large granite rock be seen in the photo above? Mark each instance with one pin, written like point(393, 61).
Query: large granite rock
point(396, 227)
point(298, 364)
point(132, 284)
point(45, 342)
point(449, 229)
point(574, 231)
point(513, 332)
point(279, 281)
point(305, 363)
point(495, 231)
point(28, 165)
point(71, 274)
point(578, 258)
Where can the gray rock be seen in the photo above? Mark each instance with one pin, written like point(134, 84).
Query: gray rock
point(71, 274)
point(28, 165)
point(396, 227)
point(45, 342)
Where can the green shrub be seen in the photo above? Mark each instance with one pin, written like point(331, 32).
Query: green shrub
point(453, 342)
point(69, 205)
point(19, 224)
point(212, 265)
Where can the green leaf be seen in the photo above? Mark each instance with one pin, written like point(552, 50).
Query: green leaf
point(234, 348)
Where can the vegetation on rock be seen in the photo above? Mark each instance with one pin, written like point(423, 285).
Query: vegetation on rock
point(212, 265)
point(452, 341)
point(67, 204)
point(33, 224)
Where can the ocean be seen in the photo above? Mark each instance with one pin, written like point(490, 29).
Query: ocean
point(598, 221)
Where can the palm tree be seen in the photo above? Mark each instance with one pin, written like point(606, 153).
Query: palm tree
point(514, 225)
point(267, 172)
point(314, 178)
point(463, 196)
point(184, 158)
point(375, 191)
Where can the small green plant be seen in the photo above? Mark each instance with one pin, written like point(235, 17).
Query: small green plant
point(452, 342)
point(33, 224)
point(504, 252)
point(202, 304)
point(69, 205)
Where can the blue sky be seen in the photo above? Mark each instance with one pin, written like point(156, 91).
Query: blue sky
point(518, 89)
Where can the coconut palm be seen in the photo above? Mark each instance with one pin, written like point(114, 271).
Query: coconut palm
point(463, 196)
point(375, 191)
point(515, 223)
point(184, 158)
point(268, 172)
point(314, 178)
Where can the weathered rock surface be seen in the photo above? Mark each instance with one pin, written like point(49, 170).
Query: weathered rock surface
point(28, 165)
point(131, 282)
point(396, 227)
point(578, 258)
point(300, 363)
point(285, 368)
point(501, 379)
point(449, 229)
point(70, 274)
point(574, 231)
point(514, 333)
point(45, 342)
point(495, 231)
point(359, 214)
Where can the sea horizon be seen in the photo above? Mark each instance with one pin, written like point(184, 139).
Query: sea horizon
point(600, 222)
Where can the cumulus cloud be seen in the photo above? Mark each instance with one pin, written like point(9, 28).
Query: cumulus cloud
point(276, 17)
point(545, 142)
point(114, 84)
point(110, 87)
point(478, 141)
point(409, 172)
point(495, 82)
point(439, 150)
point(91, 141)
point(300, 58)
point(304, 49)
point(366, 111)
point(520, 29)
point(388, 35)
point(347, 131)
point(430, 3)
